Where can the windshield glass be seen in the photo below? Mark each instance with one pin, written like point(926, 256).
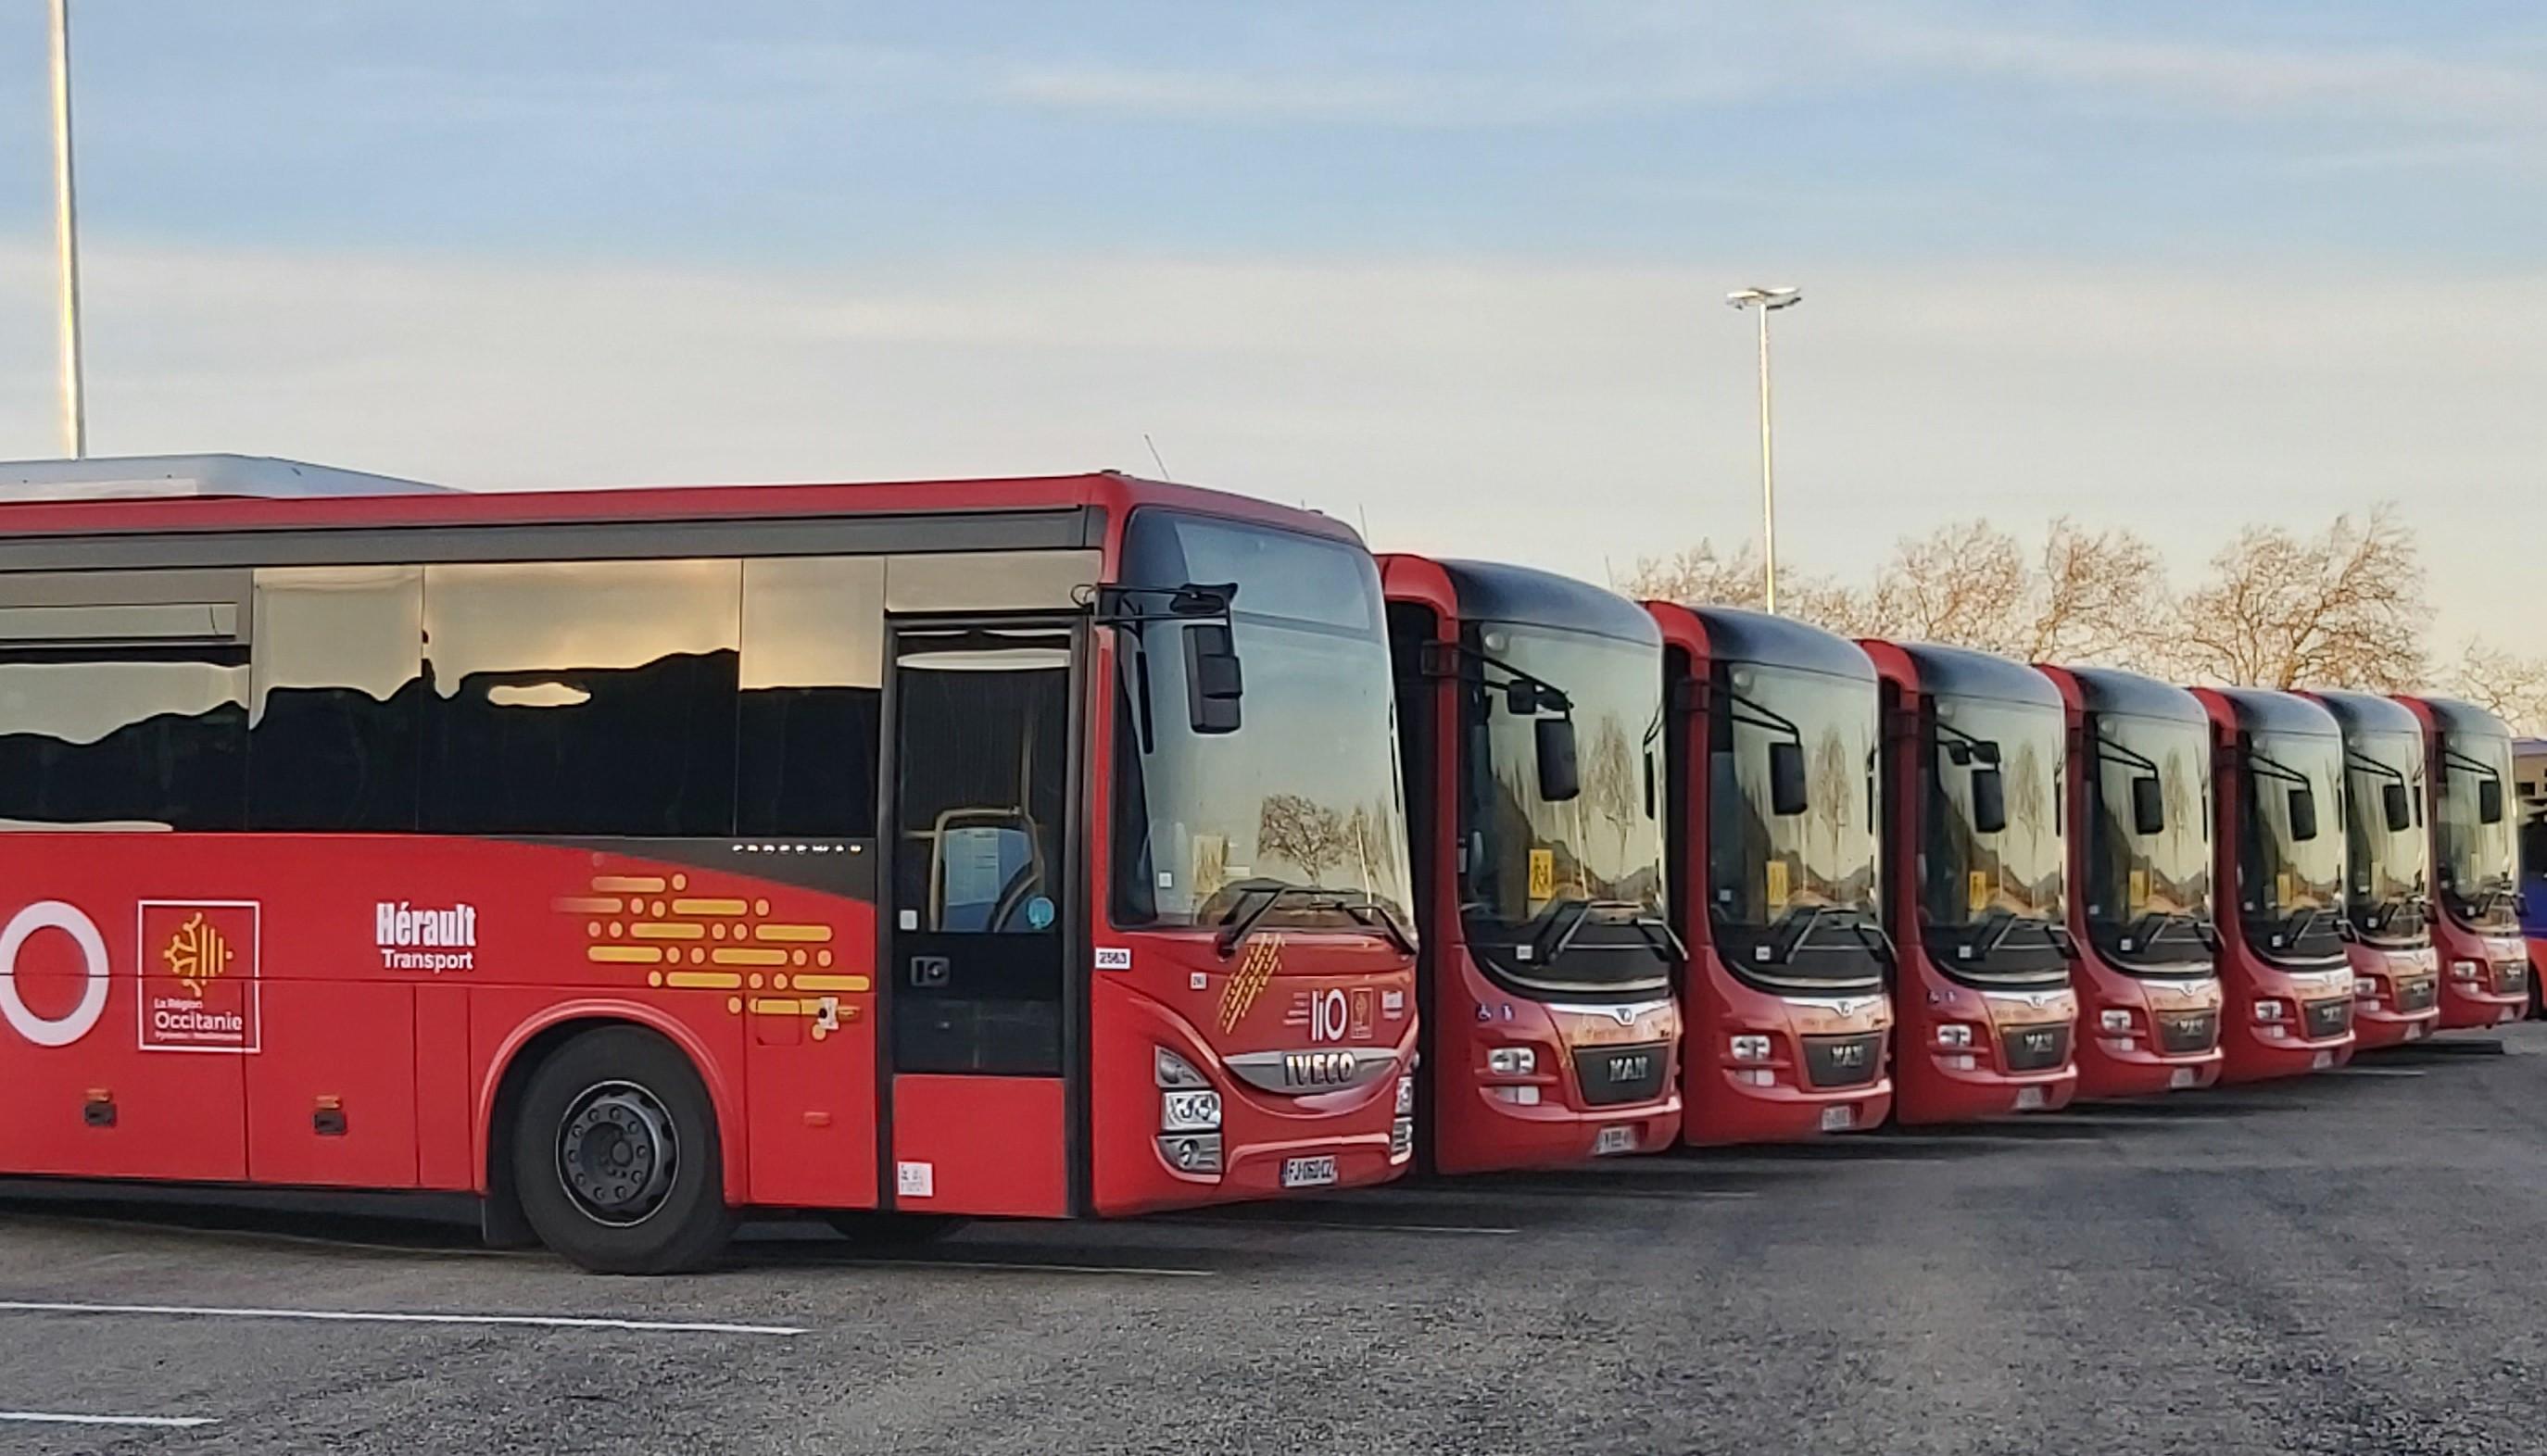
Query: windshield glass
point(1992, 901)
point(1305, 793)
point(2477, 867)
point(2387, 873)
point(2148, 895)
point(1791, 897)
point(1567, 896)
point(2290, 895)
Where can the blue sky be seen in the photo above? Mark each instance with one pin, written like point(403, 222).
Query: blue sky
point(1430, 266)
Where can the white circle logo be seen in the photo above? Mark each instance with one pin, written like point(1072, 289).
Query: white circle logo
point(54, 914)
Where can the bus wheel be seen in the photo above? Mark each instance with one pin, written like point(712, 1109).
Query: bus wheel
point(615, 1156)
point(887, 1231)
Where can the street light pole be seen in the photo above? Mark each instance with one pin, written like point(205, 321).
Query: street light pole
point(1767, 302)
point(67, 240)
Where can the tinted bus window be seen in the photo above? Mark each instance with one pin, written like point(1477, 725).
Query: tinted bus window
point(581, 698)
point(124, 738)
point(813, 669)
point(339, 695)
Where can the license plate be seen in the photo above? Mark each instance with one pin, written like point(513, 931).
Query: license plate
point(2414, 1033)
point(1613, 1140)
point(2320, 1062)
point(1838, 1118)
point(1308, 1172)
point(2181, 1079)
point(2029, 1099)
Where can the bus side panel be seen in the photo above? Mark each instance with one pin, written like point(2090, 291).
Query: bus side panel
point(331, 1101)
point(813, 1115)
point(990, 1145)
point(442, 1103)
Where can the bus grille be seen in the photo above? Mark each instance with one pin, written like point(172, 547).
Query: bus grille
point(1610, 1076)
point(2419, 994)
point(2036, 1048)
point(2183, 1032)
point(2511, 978)
point(2328, 1018)
point(1843, 1061)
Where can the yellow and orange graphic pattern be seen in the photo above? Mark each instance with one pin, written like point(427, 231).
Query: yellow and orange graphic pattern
point(699, 942)
point(1247, 982)
point(197, 954)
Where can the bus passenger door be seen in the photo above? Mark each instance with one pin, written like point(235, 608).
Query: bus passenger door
point(982, 842)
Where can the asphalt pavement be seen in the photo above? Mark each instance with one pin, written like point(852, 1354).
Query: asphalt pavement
point(2348, 1263)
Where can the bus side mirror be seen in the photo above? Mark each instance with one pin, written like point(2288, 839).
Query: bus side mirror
point(2149, 805)
point(2303, 813)
point(1787, 778)
point(1989, 801)
point(2396, 806)
point(2489, 801)
point(1214, 684)
point(1557, 778)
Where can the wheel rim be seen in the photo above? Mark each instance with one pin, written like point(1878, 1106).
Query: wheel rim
point(617, 1154)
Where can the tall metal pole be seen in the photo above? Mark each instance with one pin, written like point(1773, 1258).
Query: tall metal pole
point(67, 240)
point(1768, 481)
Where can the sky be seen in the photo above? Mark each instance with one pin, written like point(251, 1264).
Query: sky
point(1452, 272)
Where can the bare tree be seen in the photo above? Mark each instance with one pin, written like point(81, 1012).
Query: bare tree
point(1302, 830)
point(2504, 683)
point(1704, 576)
point(2340, 609)
point(2097, 597)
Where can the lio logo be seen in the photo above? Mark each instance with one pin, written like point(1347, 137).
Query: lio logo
point(81, 1018)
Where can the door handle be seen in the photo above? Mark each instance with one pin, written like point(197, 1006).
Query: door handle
point(931, 971)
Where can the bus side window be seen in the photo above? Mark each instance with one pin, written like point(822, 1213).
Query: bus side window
point(812, 696)
point(149, 733)
point(339, 696)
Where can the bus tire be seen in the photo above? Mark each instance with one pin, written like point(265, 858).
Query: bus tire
point(892, 1229)
point(616, 1158)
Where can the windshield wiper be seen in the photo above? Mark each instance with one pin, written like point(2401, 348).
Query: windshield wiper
point(1363, 910)
point(1805, 919)
point(2003, 924)
point(1567, 919)
point(2302, 921)
point(2151, 926)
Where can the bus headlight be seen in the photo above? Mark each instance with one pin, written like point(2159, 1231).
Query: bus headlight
point(1954, 1034)
point(1749, 1048)
point(2115, 1020)
point(2269, 1010)
point(1192, 1152)
point(1190, 1112)
point(2366, 987)
point(1174, 1071)
point(2467, 971)
point(1512, 1060)
point(1406, 1096)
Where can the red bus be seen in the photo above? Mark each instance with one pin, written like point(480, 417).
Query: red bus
point(1977, 872)
point(629, 858)
point(2278, 848)
point(2139, 791)
point(1530, 712)
point(2387, 892)
point(2476, 864)
point(1771, 805)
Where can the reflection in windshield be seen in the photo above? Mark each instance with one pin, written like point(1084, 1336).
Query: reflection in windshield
point(2386, 866)
point(2148, 895)
point(2478, 867)
point(2290, 892)
point(1306, 791)
point(1602, 848)
point(1992, 902)
point(1793, 896)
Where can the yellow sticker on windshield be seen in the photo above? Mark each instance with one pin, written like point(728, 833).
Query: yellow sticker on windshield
point(1976, 891)
point(2288, 884)
point(1777, 884)
point(2140, 888)
point(1542, 873)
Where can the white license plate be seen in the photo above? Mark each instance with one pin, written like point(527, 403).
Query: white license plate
point(1838, 1118)
point(1308, 1172)
point(2181, 1077)
point(2320, 1062)
point(2029, 1099)
point(2414, 1033)
point(1613, 1140)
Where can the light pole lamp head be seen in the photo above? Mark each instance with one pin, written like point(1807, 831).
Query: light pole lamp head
point(1777, 298)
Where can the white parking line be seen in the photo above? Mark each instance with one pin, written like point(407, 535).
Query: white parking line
point(56, 1418)
point(384, 1317)
point(1340, 1225)
point(2373, 1071)
point(997, 1267)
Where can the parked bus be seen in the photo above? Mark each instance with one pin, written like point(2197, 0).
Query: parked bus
point(1529, 715)
point(629, 858)
point(2278, 852)
point(1976, 856)
point(2138, 789)
point(2387, 856)
point(1771, 809)
point(2476, 864)
point(2529, 760)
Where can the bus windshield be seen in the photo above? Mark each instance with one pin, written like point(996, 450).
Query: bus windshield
point(1305, 796)
point(1994, 898)
point(2389, 868)
point(2478, 869)
point(2290, 895)
point(1567, 896)
point(2148, 894)
point(1791, 897)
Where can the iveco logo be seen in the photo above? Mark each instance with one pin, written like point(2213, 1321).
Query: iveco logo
point(1317, 1068)
point(1631, 1067)
point(1848, 1054)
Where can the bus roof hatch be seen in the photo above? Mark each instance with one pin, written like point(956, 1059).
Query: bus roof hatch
point(168, 476)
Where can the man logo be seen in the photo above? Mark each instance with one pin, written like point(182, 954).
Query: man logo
point(1848, 1054)
point(1631, 1067)
point(2038, 1041)
point(62, 1031)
